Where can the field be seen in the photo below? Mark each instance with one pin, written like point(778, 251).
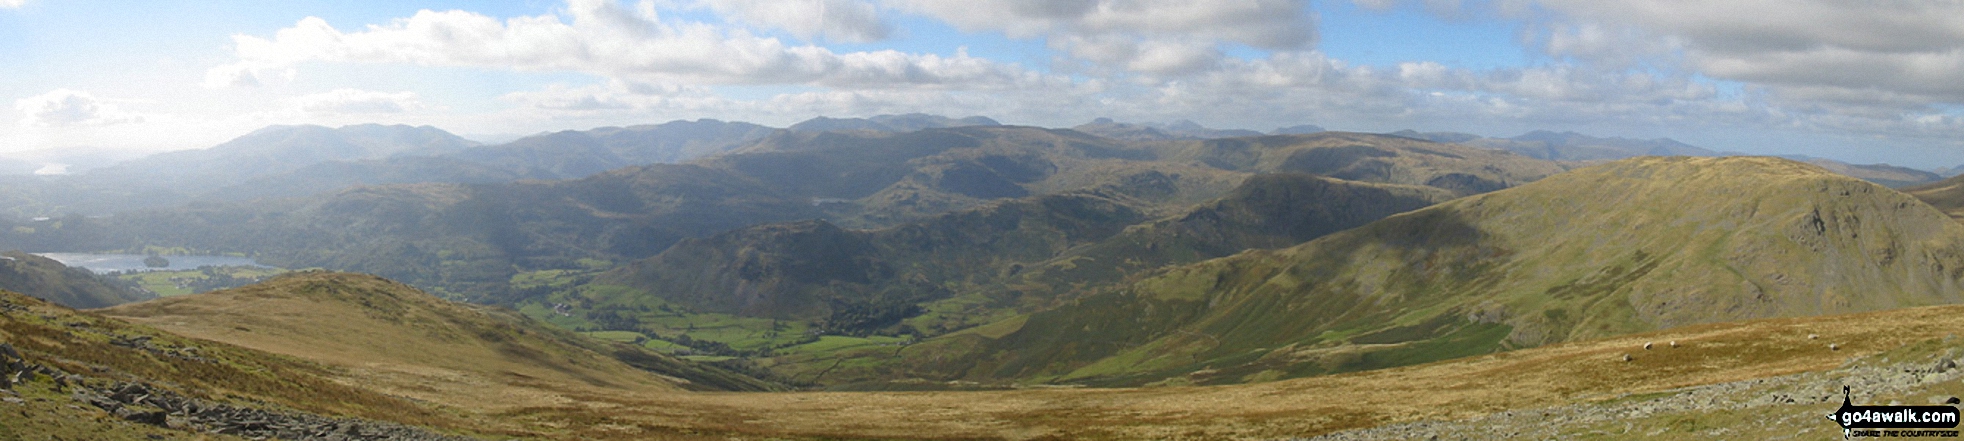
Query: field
point(177, 283)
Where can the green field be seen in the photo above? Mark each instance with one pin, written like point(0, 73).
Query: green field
point(613, 313)
point(177, 283)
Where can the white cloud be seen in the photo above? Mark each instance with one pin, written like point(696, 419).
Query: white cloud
point(1154, 36)
point(64, 107)
point(605, 39)
point(1864, 69)
point(354, 101)
point(12, 4)
point(845, 20)
point(1614, 64)
point(1914, 48)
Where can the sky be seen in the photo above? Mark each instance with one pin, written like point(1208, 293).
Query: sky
point(1856, 81)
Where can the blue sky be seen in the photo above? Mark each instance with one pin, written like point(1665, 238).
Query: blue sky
point(1851, 81)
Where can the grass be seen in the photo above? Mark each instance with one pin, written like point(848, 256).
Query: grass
point(553, 404)
point(1578, 372)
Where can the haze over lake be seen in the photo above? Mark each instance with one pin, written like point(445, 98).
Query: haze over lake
point(107, 263)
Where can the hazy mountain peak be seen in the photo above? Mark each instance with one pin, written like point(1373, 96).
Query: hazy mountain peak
point(890, 123)
point(1181, 129)
point(1299, 129)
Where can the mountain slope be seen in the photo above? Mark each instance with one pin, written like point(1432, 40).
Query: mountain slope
point(1266, 211)
point(858, 281)
point(400, 340)
point(49, 280)
point(952, 271)
point(1629, 246)
point(1039, 247)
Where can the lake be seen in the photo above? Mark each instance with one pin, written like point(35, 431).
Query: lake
point(103, 263)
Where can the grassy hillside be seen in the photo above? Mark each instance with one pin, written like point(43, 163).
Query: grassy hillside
point(1740, 378)
point(49, 280)
point(400, 340)
point(1625, 247)
point(72, 356)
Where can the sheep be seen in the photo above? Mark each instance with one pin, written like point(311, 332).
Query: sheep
point(1813, 336)
point(1674, 344)
point(1627, 358)
point(1646, 346)
point(1834, 347)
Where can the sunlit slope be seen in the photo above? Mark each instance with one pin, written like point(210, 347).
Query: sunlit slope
point(1629, 246)
point(70, 354)
point(403, 341)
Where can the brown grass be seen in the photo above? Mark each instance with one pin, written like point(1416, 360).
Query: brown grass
point(1584, 371)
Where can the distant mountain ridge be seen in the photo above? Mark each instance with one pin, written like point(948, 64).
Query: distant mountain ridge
point(178, 177)
point(277, 149)
point(1178, 130)
point(1885, 174)
point(1568, 146)
point(1571, 146)
point(890, 123)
